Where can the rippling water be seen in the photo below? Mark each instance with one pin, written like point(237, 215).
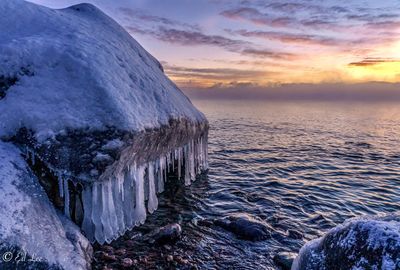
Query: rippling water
point(301, 167)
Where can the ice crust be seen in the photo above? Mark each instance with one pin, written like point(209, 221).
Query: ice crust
point(369, 242)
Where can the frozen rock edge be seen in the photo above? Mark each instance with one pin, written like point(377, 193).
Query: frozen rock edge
point(30, 226)
point(361, 243)
point(98, 124)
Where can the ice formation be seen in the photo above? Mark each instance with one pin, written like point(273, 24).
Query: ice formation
point(117, 204)
point(100, 123)
point(30, 225)
point(370, 242)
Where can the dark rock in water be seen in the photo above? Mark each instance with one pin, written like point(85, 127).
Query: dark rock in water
point(294, 234)
point(167, 234)
point(284, 260)
point(363, 243)
point(245, 227)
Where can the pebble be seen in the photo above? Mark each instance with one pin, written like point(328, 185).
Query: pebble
point(108, 249)
point(108, 257)
point(120, 252)
point(127, 262)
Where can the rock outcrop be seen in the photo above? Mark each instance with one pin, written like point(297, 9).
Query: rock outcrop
point(361, 243)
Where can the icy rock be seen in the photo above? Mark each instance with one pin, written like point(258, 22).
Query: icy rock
point(245, 227)
point(29, 223)
point(361, 243)
point(92, 108)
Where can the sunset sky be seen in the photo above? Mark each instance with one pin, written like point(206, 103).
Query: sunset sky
point(226, 43)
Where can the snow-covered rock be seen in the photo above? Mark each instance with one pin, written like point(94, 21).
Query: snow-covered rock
point(32, 234)
point(99, 121)
point(358, 244)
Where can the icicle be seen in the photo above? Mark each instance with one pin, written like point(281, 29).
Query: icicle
point(192, 161)
point(60, 185)
point(152, 203)
point(140, 209)
point(66, 199)
point(179, 163)
point(87, 223)
point(129, 199)
point(97, 212)
point(187, 173)
point(118, 204)
point(113, 206)
point(107, 218)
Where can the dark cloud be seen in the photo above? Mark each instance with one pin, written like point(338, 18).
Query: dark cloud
point(136, 14)
point(214, 73)
point(288, 37)
point(373, 61)
point(310, 15)
point(255, 16)
point(196, 38)
point(269, 54)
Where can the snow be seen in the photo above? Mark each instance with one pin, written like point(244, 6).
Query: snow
point(84, 71)
point(367, 241)
point(30, 222)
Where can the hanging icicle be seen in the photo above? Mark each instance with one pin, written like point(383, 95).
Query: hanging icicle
point(116, 205)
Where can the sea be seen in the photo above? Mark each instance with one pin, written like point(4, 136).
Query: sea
point(300, 167)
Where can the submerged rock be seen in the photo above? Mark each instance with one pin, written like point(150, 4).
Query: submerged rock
point(245, 227)
point(167, 234)
point(360, 243)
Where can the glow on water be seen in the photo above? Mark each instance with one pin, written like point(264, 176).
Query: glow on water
point(302, 167)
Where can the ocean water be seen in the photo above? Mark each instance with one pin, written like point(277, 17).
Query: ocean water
point(301, 167)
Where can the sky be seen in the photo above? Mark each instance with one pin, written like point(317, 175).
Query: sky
point(241, 44)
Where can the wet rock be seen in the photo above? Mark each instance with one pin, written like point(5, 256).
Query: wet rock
point(120, 252)
point(361, 243)
point(108, 249)
point(108, 257)
point(245, 227)
point(284, 260)
point(166, 235)
point(129, 243)
point(205, 223)
point(127, 262)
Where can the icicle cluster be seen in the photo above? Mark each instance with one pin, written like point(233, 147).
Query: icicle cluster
point(116, 205)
